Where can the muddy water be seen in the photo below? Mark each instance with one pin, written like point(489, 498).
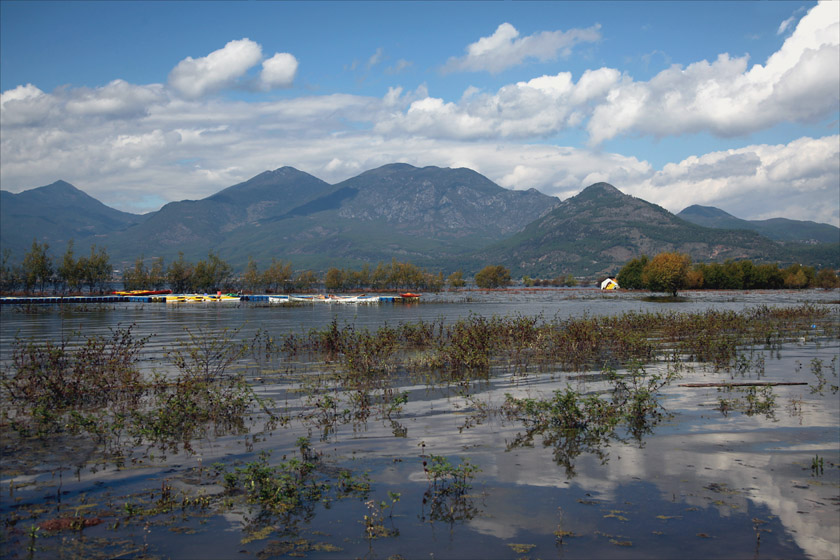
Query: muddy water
point(701, 484)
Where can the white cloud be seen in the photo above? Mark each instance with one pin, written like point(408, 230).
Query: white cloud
point(797, 83)
point(25, 105)
point(726, 97)
point(195, 77)
point(504, 48)
point(278, 71)
point(118, 98)
point(797, 180)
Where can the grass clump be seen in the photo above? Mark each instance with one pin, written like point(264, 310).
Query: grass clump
point(94, 387)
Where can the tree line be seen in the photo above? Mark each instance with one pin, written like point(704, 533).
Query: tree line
point(670, 272)
point(666, 272)
point(38, 273)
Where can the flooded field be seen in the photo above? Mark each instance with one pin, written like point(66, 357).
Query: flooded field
point(546, 423)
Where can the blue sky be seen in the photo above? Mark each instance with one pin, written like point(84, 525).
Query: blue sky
point(728, 104)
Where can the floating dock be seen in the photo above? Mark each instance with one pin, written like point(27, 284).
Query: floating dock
point(174, 298)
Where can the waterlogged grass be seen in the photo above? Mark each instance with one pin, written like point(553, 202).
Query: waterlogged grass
point(573, 423)
point(91, 393)
point(94, 388)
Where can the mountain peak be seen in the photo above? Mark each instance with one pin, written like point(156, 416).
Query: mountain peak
point(704, 211)
point(601, 188)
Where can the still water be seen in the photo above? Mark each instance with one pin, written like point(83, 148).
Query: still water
point(702, 484)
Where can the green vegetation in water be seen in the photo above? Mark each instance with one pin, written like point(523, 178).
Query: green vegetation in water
point(96, 389)
point(573, 423)
point(446, 494)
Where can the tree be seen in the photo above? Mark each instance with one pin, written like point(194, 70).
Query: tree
point(305, 280)
point(630, 276)
point(179, 275)
point(212, 274)
point(157, 276)
point(492, 276)
point(251, 278)
point(276, 276)
point(37, 266)
point(456, 279)
point(827, 279)
point(69, 271)
point(9, 275)
point(334, 279)
point(95, 270)
point(667, 272)
point(136, 278)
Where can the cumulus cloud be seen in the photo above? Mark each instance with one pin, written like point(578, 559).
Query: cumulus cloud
point(797, 83)
point(505, 48)
point(25, 105)
point(195, 77)
point(795, 180)
point(539, 107)
point(227, 67)
point(118, 98)
point(725, 97)
point(278, 71)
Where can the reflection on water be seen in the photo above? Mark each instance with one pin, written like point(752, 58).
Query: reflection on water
point(701, 484)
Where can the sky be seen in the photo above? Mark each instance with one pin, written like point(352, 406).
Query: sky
point(728, 104)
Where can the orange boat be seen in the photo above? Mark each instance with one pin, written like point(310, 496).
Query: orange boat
point(409, 295)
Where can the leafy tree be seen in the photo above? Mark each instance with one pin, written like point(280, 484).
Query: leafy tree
point(433, 282)
point(492, 276)
point(37, 267)
point(69, 270)
point(768, 276)
point(95, 270)
point(277, 276)
point(212, 274)
point(137, 277)
point(251, 278)
point(305, 280)
point(157, 277)
point(9, 275)
point(179, 275)
point(334, 279)
point(456, 279)
point(630, 276)
point(827, 279)
point(667, 272)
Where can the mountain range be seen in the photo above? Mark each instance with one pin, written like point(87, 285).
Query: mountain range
point(777, 229)
point(438, 218)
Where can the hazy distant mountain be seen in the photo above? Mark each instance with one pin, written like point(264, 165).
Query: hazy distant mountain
point(601, 228)
point(778, 229)
point(55, 214)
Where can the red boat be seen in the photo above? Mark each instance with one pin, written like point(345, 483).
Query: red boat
point(409, 295)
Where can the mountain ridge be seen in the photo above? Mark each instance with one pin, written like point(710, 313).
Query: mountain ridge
point(599, 229)
point(777, 229)
point(435, 217)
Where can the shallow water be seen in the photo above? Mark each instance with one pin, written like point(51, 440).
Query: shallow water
point(701, 485)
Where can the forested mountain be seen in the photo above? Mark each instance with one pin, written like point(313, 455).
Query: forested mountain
point(777, 229)
point(425, 215)
point(54, 214)
point(438, 218)
point(601, 228)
